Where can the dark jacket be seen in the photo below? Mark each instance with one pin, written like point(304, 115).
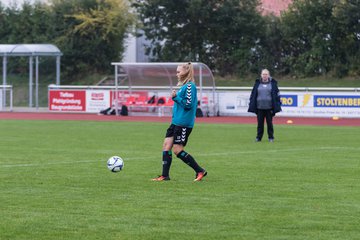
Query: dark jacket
point(275, 95)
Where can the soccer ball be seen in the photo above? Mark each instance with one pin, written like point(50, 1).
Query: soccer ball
point(115, 164)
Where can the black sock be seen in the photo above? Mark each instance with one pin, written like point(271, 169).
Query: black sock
point(189, 160)
point(167, 159)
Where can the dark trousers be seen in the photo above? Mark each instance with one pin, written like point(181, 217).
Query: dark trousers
point(261, 116)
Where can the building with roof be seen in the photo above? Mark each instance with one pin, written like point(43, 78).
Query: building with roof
point(274, 6)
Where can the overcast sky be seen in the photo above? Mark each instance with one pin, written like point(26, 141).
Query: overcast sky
point(19, 2)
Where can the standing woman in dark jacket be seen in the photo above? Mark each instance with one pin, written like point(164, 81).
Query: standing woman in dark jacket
point(265, 103)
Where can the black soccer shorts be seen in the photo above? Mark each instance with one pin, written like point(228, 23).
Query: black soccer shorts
point(180, 134)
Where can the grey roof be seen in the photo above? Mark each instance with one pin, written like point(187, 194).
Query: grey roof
point(29, 50)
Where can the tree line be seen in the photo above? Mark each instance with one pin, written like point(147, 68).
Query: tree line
point(311, 38)
point(90, 33)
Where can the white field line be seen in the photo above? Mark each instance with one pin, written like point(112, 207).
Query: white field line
point(199, 154)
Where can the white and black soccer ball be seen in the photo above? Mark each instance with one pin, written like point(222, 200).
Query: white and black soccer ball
point(115, 164)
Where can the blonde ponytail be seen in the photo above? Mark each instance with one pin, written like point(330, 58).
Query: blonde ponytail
point(188, 76)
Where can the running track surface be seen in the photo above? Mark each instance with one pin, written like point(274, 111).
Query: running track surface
point(236, 120)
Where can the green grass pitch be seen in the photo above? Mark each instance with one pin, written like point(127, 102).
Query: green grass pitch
point(54, 183)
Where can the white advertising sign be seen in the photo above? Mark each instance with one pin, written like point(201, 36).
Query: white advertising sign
point(321, 104)
point(300, 104)
point(97, 100)
point(234, 103)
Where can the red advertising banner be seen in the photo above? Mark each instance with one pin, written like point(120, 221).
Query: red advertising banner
point(64, 100)
point(124, 95)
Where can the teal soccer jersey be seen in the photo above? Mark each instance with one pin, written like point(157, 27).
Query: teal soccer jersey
point(185, 104)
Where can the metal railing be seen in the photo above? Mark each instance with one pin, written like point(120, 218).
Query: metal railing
point(3, 99)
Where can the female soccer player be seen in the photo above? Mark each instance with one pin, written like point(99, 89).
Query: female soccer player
point(183, 119)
